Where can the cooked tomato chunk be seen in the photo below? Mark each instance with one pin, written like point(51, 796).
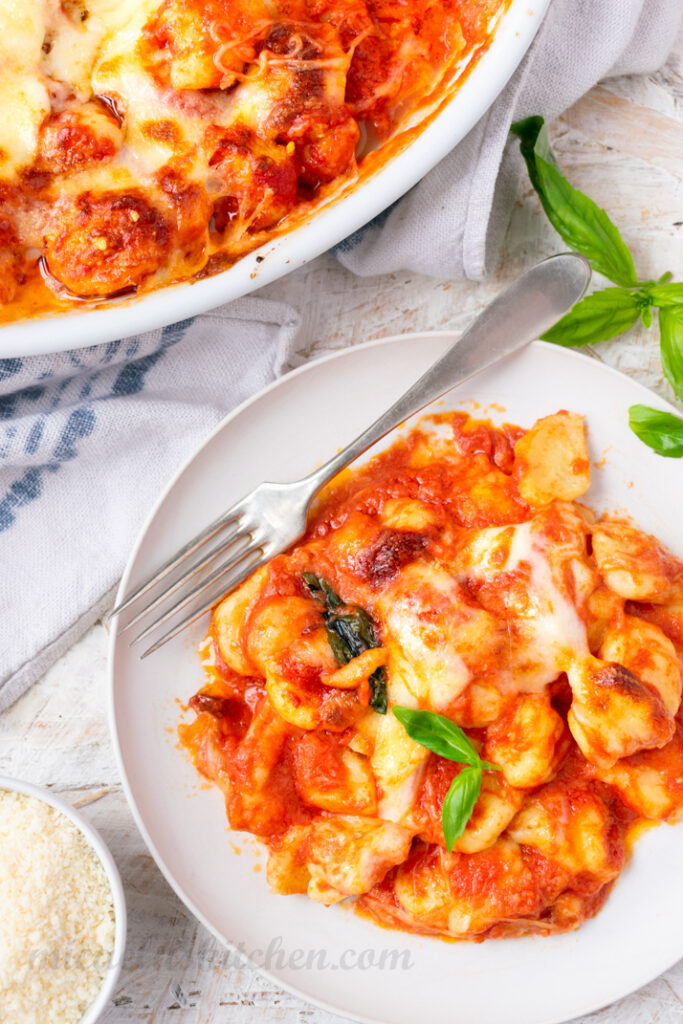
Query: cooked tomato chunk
point(103, 244)
point(394, 63)
point(303, 94)
point(325, 142)
point(202, 44)
point(78, 137)
point(258, 178)
point(190, 206)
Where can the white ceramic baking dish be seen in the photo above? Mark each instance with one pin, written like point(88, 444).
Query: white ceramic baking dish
point(329, 225)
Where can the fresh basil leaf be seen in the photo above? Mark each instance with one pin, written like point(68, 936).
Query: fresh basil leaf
point(340, 649)
point(598, 317)
point(443, 737)
point(349, 632)
point(459, 803)
point(322, 591)
point(582, 224)
point(661, 431)
point(671, 345)
point(666, 295)
point(379, 699)
point(332, 599)
point(438, 734)
point(312, 582)
point(362, 625)
point(345, 628)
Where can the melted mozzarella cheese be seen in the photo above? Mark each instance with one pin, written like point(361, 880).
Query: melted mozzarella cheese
point(117, 72)
point(76, 33)
point(397, 764)
point(24, 98)
point(428, 629)
point(559, 632)
point(439, 641)
point(426, 651)
point(549, 633)
point(160, 124)
point(89, 50)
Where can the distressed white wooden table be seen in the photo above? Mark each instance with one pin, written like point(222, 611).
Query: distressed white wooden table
point(623, 144)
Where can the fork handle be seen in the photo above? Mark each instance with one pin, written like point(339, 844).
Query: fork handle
point(521, 313)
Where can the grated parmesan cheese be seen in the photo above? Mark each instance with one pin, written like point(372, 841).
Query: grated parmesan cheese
point(56, 915)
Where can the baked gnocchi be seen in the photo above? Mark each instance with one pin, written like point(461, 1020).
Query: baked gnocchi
point(464, 579)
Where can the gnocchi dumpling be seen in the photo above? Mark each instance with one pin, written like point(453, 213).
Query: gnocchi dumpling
point(551, 460)
point(613, 714)
point(635, 565)
point(528, 741)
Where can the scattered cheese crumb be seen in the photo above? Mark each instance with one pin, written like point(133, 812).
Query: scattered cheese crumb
point(100, 243)
point(56, 915)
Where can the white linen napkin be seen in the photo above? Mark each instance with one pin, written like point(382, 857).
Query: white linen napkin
point(88, 439)
point(452, 223)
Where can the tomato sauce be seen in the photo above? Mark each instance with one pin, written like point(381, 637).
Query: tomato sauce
point(294, 755)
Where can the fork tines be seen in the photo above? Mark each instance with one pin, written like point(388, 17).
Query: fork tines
point(195, 578)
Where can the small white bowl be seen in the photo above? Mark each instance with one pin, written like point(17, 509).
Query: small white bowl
point(94, 1011)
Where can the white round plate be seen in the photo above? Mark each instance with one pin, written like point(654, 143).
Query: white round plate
point(328, 226)
point(280, 435)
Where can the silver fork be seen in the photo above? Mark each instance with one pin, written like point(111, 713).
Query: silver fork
point(271, 518)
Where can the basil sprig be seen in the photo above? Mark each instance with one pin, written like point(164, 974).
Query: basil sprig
point(349, 632)
point(443, 737)
point(606, 314)
point(582, 223)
